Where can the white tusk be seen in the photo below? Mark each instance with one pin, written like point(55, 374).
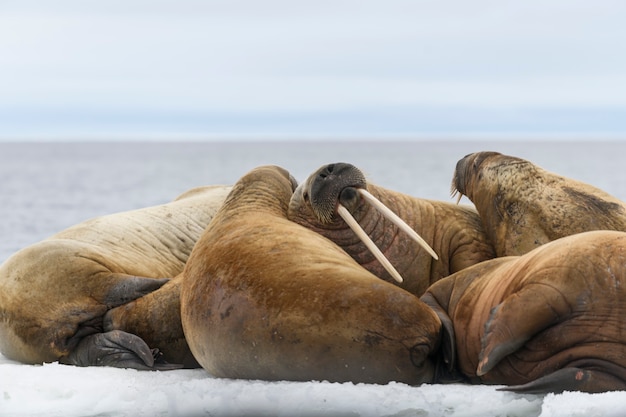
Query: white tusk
point(385, 211)
point(354, 225)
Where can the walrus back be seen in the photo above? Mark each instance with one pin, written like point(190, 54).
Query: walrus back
point(298, 308)
point(547, 321)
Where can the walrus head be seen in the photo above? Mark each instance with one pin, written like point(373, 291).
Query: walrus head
point(465, 172)
point(330, 186)
point(332, 194)
point(523, 206)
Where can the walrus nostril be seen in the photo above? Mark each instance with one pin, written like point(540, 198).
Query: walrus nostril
point(328, 169)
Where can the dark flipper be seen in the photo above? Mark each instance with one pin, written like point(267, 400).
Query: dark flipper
point(570, 379)
point(505, 332)
point(448, 336)
point(117, 349)
point(127, 288)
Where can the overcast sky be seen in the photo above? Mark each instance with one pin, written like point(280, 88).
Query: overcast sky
point(279, 68)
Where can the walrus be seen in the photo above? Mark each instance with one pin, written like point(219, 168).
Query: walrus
point(547, 321)
point(523, 206)
point(54, 293)
point(265, 298)
point(454, 232)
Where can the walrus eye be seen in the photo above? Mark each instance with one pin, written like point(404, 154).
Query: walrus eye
point(305, 195)
point(419, 355)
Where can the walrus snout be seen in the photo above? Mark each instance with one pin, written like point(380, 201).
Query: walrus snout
point(330, 180)
point(350, 174)
point(326, 185)
point(464, 172)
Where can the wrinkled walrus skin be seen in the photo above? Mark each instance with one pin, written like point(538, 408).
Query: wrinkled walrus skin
point(523, 206)
point(547, 321)
point(265, 298)
point(454, 232)
point(54, 294)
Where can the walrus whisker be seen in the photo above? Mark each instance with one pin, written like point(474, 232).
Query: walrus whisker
point(354, 225)
point(385, 211)
point(455, 193)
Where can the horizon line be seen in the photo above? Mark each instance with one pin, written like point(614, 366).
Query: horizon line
point(322, 137)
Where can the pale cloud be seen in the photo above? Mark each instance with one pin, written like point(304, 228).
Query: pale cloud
point(290, 57)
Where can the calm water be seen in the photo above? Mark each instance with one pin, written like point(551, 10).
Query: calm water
point(47, 187)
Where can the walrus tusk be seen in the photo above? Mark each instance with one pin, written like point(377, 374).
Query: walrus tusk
point(354, 225)
point(385, 211)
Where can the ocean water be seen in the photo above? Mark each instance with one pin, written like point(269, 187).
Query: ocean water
point(47, 187)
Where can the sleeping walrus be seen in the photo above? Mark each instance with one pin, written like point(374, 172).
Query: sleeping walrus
point(547, 321)
point(335, 193)
point(523, 206)
point(265, 298)
point(55, 293)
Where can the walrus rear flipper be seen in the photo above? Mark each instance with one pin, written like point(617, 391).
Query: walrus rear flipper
point(570, 379)
point(128, 288)
point(117, 349)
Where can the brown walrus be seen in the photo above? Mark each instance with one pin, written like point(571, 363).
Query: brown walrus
point(523, 206)
point(547, 321)
point(54, 294)
point(454, 232)
point(265, 298)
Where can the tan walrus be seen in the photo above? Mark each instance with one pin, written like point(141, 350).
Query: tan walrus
point(265, 298)
point(523, 206)
point(547, 321)
point(454, 232)
point(54, 294)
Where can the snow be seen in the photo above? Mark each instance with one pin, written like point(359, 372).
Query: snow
point(66, 391)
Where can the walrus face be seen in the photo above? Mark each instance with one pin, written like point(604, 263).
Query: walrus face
point(324, 188)
point(471, 169)
point(464, 173)
point(341, 189)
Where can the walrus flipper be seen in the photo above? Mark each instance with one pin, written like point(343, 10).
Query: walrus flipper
point(448, 335)
point(128, 288)
point(506, 331)
point(117, 349)
point(570, 379)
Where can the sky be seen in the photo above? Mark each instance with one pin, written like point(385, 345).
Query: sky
point(76, 69)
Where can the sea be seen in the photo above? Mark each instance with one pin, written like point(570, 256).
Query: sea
point(46, 187)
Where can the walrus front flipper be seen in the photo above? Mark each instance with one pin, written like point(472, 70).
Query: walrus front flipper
point(570, 379)
point(117, 349)
point(127, 288)
point(506, 331)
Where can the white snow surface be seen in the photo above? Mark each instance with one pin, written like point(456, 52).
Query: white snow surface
point(67, 391)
